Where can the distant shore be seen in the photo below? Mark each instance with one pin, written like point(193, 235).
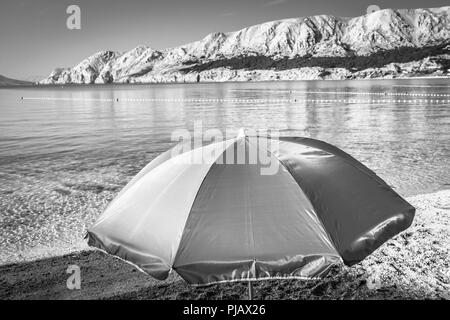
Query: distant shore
point(58, 85)
point(413, 265)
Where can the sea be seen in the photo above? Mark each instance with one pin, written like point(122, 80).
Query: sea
point(66, 151)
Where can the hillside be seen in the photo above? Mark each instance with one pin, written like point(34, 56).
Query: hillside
point(383, 44)
point(4, 81)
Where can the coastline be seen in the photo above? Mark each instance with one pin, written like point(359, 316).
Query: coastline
point(413, 265)
point(209, 81)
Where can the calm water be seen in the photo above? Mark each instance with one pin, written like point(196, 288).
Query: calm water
point(62, 161)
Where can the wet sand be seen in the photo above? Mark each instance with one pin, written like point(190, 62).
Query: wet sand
point(413, 265)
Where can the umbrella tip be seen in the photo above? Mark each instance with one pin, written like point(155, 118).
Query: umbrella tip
point(241, 133)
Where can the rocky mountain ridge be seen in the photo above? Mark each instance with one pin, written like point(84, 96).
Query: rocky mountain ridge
point(383, 44)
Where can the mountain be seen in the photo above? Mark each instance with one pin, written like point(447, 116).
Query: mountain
point(4, 81)
point(383, 44)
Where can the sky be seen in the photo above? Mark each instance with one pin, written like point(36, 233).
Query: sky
point(34, 37)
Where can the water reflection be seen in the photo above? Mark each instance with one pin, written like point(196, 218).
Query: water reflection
point(61, 162)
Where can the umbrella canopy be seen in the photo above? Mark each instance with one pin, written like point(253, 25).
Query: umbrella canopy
point(224, 219)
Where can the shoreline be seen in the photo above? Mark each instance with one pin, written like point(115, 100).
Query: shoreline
point(58, 85)
point(413, 265)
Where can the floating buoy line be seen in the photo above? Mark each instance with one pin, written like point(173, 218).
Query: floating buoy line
point(234, 100)
point(424, 98)
point(360, 93)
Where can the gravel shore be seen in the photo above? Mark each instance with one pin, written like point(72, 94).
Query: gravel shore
point(413, 265)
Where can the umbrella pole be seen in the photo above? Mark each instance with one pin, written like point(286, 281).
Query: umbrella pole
point(250, 290)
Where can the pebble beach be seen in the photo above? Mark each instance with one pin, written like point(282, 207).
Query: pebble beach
point(413, 265)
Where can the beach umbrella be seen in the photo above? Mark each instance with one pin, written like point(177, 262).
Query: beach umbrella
point(250, 208)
